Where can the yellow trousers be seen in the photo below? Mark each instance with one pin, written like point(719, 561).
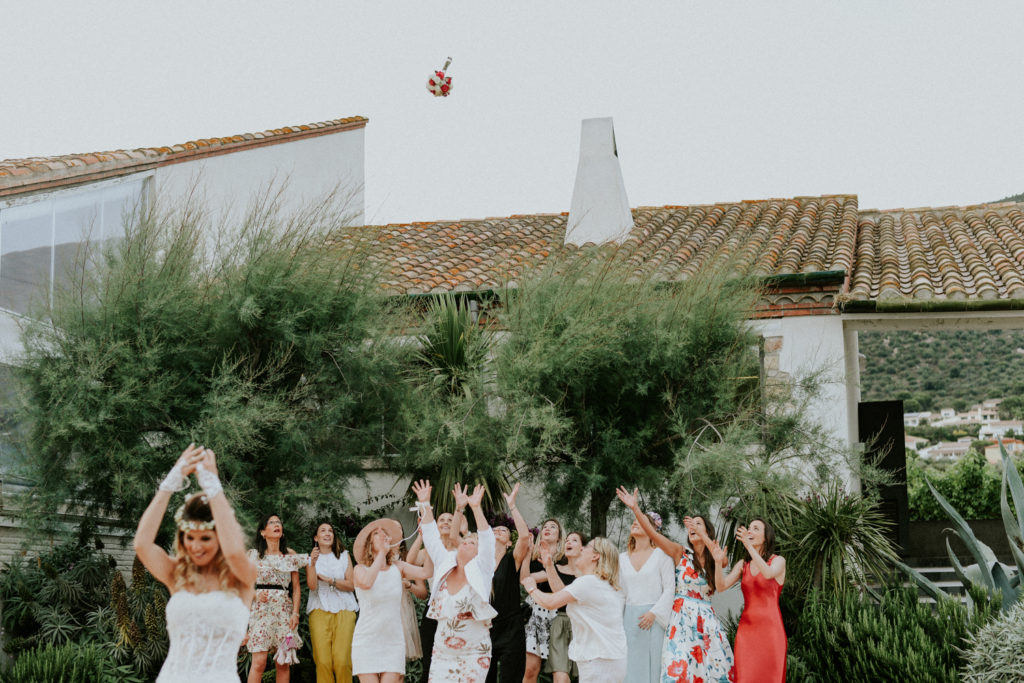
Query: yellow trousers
point(331, 636)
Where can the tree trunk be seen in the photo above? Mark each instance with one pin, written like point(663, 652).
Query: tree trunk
point(599, 502)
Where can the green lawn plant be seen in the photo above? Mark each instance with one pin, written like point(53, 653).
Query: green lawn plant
point(851, 636)
point(68, 663)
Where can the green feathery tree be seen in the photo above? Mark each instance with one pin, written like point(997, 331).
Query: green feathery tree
point(257, 340)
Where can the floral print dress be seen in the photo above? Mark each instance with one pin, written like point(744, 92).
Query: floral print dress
point(268, 620)
point(462, 645)
point(696, 648)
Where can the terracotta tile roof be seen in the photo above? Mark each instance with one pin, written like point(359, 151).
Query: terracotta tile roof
point(28, 175)
point(954, 253)
point(768, 237)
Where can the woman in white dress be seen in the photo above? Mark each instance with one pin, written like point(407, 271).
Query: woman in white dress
point(331, 606)
point(378, 645)
point(594, 604)
point(460, 592)
point(648, 579)
point(210, 578)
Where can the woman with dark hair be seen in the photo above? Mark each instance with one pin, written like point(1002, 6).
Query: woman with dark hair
point(648, 580)
point(696, 645)
point(209, 576)
point(538, 626)
point(760, 638)
point(274, 616)
point(331, 606)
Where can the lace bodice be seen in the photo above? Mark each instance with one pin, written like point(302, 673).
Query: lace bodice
point(206, 630)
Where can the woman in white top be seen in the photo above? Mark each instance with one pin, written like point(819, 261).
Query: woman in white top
point(460, 592)
point(331, 607)
point(210, 578)
point(648, 580)
point(378, 645)
point(594, 604)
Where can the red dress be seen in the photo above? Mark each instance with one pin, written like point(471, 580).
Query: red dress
point(760, 638)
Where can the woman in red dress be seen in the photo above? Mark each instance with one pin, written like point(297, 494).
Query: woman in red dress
point(761, 638)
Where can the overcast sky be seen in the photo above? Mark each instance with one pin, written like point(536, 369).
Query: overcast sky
point(902, 103)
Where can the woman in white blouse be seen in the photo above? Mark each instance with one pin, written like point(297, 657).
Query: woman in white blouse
point(594, 604)
point(648, 580)
point(331, 607)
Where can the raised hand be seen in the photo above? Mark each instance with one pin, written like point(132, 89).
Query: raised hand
point(189, 458)
point(545, 554)
point(208, 459)
point(477, 498)
point(628, 499)
point(461, 495)
point(314, 555)
point(510, 498)
point(741, 536)
point(720, 554)
point(422, 490)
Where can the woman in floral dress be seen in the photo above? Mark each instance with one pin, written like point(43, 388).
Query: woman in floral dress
point(459, 599)
point(274, 615)
point(696, 647)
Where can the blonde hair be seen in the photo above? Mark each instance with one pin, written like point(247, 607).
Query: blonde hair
point(607, 567)
point(186, 574)
point(559, 550)
point(631, 544)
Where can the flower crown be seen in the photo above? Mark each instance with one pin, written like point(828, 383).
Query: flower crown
point(192, 524)
point(656, 517)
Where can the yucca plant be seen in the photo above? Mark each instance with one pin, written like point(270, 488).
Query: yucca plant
point(454, 347)
point(834, 539)
point(987, 573)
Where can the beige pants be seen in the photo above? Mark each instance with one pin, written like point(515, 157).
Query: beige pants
point(331, 636)
point(602, 670)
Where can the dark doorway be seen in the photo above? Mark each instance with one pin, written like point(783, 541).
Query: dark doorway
point(881, 431)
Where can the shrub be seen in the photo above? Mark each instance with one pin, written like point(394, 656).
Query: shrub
point(71, 663)
point(994, 652)
point(851, 637)
point(971, 485)
point(833, 538)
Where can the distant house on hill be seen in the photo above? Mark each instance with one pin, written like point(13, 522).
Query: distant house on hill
point(914, 443)
point(1000, 428)
point(916, 419)
point(1012, 446)
point(948, 450)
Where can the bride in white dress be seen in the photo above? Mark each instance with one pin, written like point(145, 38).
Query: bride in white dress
point(210, 578)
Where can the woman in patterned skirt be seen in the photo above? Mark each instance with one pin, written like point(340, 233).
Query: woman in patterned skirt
point(274, 615)
point(460, 593)
point(696, 647)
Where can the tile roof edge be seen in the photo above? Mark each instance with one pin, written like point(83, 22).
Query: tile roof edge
point(950, 207)
point(32, 174)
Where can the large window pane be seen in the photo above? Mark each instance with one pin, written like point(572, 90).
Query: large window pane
point(77, 225)
point(26, 235)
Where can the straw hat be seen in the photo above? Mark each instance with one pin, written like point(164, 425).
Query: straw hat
point(391, 526)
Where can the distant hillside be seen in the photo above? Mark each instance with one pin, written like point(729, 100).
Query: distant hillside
point(933, 370)
point(1014, 198)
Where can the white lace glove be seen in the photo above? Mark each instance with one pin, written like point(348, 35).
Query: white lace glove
point(209, 481)
point(174, 481)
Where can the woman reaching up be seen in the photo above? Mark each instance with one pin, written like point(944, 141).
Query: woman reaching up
point(209, 575)
point(695, 646)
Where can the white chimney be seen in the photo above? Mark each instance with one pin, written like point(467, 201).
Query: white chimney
point(600, 209)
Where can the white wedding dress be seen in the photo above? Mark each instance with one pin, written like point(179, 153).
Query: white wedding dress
point(206, 630)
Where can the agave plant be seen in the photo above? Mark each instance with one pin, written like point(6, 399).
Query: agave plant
point(987, 573)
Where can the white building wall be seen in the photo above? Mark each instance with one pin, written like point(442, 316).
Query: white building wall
point(817, 344)
point(311, 167)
